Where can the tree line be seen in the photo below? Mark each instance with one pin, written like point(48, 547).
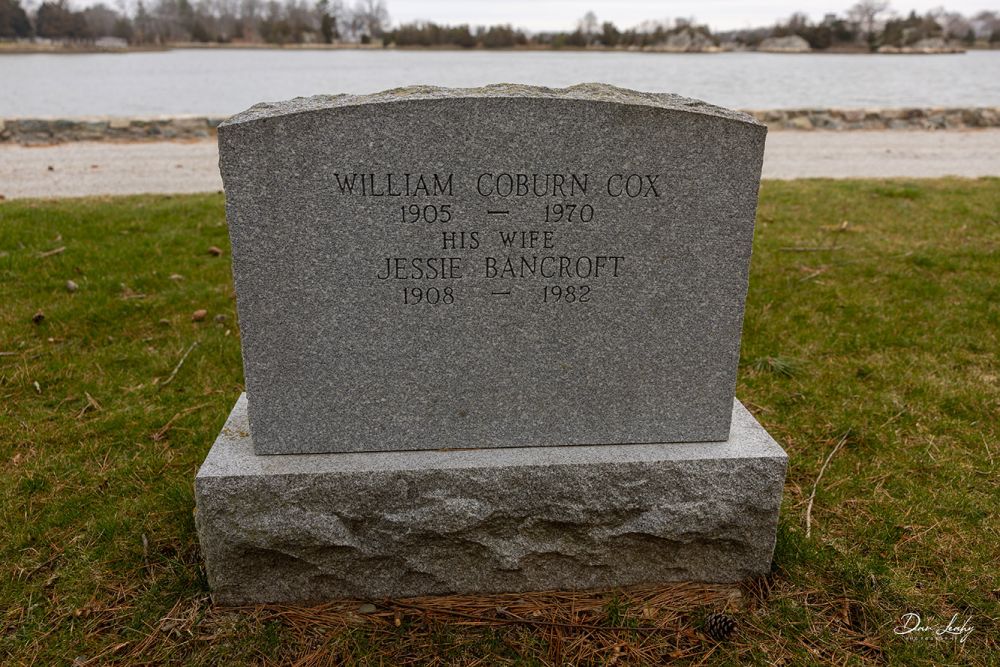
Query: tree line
point(163, 22)
point(868, 24)
point(872, 23)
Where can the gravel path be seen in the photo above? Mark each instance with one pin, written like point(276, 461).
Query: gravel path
point(882, 154)
point(85, 168)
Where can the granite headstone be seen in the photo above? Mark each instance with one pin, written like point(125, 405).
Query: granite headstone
point(429, 268)
point(438, 291)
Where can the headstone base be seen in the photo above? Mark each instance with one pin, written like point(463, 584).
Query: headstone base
point(310, 527)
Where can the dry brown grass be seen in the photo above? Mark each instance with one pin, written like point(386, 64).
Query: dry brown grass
point(639, 625)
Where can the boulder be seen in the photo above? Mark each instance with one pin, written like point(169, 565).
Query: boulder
point(686, 41)
point(789, 44)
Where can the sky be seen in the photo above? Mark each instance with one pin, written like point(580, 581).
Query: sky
point(537, 15)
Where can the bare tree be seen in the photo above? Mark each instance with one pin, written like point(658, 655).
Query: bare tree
point(955, 25)
point(371, 17)
point(227, 18)
point(986, 24)
point(250, 15)
point(866, 13)
point(651, 26)
point(101, 19)
point(588, 27)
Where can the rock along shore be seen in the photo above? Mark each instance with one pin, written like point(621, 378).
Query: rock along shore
point(43, 131)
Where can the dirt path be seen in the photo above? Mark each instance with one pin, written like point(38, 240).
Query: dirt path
point(882, 154)
point(75, 169)
point(98, 168)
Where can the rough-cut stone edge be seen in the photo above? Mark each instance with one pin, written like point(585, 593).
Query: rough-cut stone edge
point(268, 556)
point(587, 92)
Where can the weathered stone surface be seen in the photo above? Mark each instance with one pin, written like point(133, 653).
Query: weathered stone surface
point(824, 121)
point(798, 123)
point(686, 40)
point(927, 45)
point(312, 527)
point(789, 44)
point(379, 322)
point(854, 115)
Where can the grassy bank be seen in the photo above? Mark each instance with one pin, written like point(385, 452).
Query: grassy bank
point(870, 352)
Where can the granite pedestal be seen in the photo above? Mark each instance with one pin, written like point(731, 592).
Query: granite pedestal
point(310, 527)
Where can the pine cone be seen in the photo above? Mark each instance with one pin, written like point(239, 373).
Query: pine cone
point(719, 626)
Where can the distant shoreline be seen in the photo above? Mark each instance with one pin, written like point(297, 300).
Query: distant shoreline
point(47, 131)
point(15, 48)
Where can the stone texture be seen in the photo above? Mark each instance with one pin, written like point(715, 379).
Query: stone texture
point(313, 527)
point(854, 115)
point(789, 44)
point(686, 40)
point(336, 360)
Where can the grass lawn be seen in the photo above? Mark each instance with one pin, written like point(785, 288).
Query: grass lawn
point(872, 341)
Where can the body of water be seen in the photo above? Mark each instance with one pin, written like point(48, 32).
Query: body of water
point(229, 80)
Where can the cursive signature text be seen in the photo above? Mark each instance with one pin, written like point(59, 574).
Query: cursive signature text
point(910, 623)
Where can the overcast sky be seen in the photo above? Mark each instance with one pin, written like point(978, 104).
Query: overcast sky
point(563, 14)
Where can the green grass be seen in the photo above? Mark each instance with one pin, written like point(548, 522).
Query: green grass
point(873, 322)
